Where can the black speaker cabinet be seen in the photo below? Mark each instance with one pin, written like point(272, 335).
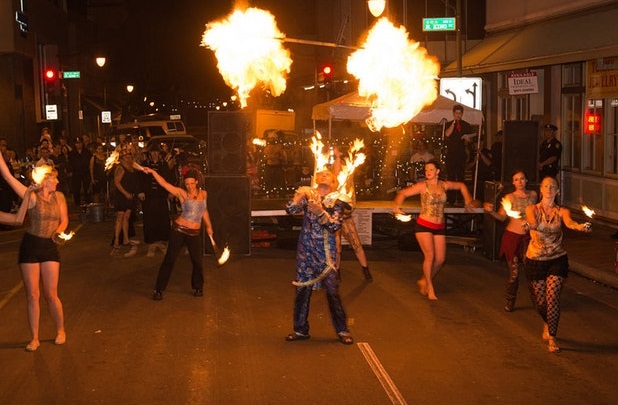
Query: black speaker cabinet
point(227, 152)
point(229, 206)
point(520, 149)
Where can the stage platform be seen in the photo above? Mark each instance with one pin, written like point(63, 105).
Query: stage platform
point(276, 207)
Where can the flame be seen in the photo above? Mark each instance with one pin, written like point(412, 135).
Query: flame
point(259, 142)
point(395, 74)
point(39, 173)
point(403, 217)
point(506, 204)
point(112, 160)
point(354, 160)
point(66, 236)
point(324, 159)
point(589, 212)
point(225, 255)
point(249, 51)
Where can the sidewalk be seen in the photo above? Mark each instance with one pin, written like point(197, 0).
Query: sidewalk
point(593, 255)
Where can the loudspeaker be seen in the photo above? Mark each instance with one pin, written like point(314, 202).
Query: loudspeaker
point(227, 153)
point(520, 149)
point(229, 206)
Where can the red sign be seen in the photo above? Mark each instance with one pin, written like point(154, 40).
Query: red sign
point(592, 123)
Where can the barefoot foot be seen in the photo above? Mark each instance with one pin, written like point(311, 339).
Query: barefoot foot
point(545, 334)
point(422, 286)
point(552, 346)
point(33, 345)
point(61, 338)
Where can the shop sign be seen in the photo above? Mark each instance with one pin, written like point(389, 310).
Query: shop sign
point(523, 83)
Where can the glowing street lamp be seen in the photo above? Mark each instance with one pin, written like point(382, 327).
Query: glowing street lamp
point(130, 88)
point(376, 7)
point(100, 61)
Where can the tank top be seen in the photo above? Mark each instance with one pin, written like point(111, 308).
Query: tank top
point(432, 203)
point(44, 217)
point(546, 240)
point(192, 210)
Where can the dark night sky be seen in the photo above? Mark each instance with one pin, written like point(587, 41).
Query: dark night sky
point(157, 45)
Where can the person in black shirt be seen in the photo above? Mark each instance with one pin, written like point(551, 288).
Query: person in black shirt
point(79, 164)
point(549, 153)
point(455, 156)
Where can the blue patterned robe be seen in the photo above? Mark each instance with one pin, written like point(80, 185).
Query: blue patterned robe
point(317, 248)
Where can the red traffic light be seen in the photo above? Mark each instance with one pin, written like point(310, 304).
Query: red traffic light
point(50, 74)
point(327, 70)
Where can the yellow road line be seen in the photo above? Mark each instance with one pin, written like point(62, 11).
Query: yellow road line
point(10, 295)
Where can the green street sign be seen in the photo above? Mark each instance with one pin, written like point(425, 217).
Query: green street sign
point(71, 74)
point(439, 24)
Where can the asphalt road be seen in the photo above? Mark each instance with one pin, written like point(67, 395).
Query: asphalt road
point(228, 347)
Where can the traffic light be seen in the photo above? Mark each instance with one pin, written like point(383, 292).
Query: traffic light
point(50, 75)
point(327, 72)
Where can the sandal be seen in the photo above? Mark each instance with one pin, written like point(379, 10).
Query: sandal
point(115, 251)
point(346, 339)
point(296, 336)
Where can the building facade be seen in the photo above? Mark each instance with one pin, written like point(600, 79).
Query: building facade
point(556, 62)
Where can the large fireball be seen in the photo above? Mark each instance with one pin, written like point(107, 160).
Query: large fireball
point(249, 52)
point(395, 74)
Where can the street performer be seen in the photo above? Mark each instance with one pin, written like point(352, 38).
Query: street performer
point(316, 255)
point(430, 227)
point(515, 238)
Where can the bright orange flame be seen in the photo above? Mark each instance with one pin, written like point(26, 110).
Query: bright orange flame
point(225, 255)
point(395, 74)
point(507, 205)
point(249, 51)
point(113, 159)
point(348, 165)
point(588, 211)
point(39, 173)
point(403, 217)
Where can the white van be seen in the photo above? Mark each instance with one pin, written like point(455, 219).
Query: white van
point(144, 128)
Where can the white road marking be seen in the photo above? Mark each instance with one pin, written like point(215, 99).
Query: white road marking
point(377, 368)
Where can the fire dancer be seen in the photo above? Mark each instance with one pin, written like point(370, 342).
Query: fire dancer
point(547, 263)
point(39, 258)
point(515, 238)
point(316, 254)
point(185, 231)
point(430, 225)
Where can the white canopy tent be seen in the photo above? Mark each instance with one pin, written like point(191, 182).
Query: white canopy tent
point(353, 107)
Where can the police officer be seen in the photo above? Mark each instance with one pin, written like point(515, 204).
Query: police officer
point(549, 153)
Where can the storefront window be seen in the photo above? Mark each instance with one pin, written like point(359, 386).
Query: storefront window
point(592, 151)
point(611, 137)
point(571, 131)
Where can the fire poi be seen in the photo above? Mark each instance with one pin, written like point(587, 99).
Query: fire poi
point(395, 74)
point(249, 52)
point(507, 205)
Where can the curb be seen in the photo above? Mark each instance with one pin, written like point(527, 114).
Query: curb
point(609, 279)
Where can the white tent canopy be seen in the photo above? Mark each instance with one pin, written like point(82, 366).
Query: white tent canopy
point(356, 108)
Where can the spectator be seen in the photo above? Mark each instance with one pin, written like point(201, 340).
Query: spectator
point(549, 153)
point(79, 164)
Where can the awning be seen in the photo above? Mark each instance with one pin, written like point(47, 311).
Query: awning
point(585, 36)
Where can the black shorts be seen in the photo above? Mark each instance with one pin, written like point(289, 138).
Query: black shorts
point(34, 249)
point(541, 269)
point(122, 203)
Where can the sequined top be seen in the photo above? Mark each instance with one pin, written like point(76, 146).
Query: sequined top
point(192, 210)
point(519, 204)
point(432, 203)
point(546, 239)
point(44, 217)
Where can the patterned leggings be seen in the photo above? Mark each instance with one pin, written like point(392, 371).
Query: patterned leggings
point(545, 295)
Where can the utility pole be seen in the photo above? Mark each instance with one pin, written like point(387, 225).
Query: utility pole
point(458, 36)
